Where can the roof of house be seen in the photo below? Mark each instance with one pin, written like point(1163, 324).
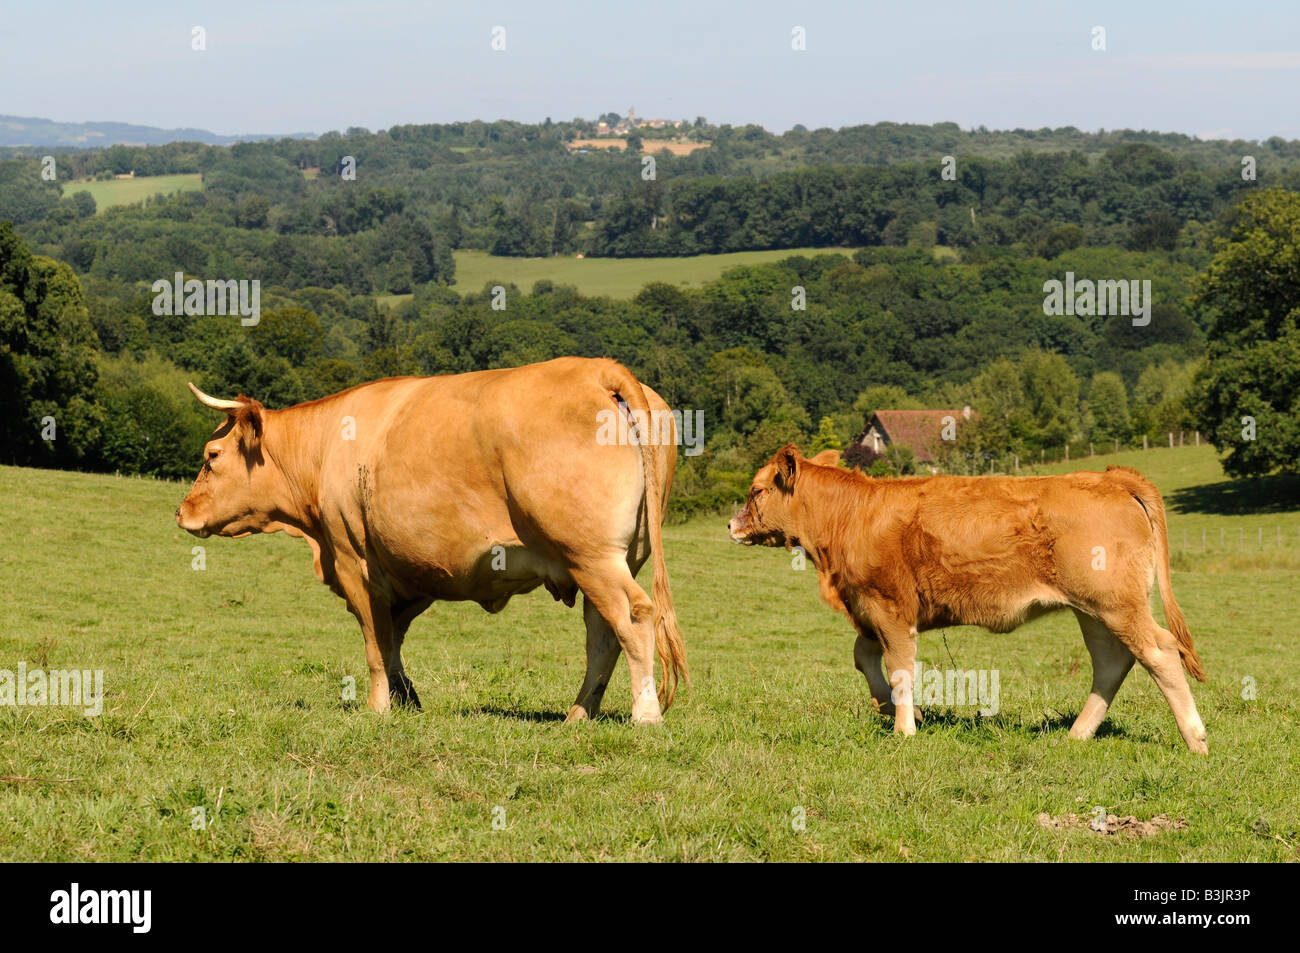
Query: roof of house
point(918, 430)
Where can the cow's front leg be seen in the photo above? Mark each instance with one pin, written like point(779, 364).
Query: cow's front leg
point(376, 622)
point(400, 689)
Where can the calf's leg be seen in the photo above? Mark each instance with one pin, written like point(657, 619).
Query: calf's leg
point(1111, 661)
point(1157, 649)
point(867, 658)
point(898, 644)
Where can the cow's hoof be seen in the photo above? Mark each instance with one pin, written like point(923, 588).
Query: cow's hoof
point(655, 719)
point(576, 713)
point(403, 693)
point(1198, 747)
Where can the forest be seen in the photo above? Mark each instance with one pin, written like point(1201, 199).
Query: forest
point(940, 305)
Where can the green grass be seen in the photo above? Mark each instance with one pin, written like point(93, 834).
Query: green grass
point(615, 277)
point(223, 687)
point(129, 191)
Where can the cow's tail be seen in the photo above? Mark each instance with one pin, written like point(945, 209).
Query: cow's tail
point(1147, 495)
point(624, 387)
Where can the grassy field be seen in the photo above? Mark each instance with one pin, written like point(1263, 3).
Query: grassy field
point(128, 191)
point(615, 277)
point(223, 693)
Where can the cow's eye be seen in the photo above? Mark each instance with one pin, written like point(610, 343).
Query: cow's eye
point(212, 456)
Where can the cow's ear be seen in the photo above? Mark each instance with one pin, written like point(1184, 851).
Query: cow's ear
point(787, 466)
point(249, 422)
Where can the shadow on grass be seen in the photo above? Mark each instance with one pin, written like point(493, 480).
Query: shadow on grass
point(534, 715)
point(1271, 494)
point(1051, 724)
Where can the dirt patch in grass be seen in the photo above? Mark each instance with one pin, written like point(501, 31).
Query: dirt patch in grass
point(1114, 824)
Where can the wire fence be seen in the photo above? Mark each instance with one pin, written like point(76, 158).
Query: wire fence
point(1234, 538)
point(1087, 449)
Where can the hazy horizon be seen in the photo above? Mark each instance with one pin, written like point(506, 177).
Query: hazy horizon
point(280, 67)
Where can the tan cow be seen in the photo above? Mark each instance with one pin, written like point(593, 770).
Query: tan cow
point(900, 557)
point(465, 487)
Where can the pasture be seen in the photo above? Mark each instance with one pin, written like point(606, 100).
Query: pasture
point(615, 277)
point(129, 191)
point(223, 694)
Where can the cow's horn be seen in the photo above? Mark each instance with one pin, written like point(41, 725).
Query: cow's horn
point(214, 402)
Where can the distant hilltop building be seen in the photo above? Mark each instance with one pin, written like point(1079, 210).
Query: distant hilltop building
point(625, 126)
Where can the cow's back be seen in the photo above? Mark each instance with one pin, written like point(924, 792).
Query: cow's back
point(443, 469)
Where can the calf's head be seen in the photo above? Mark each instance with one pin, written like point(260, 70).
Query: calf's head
point(765, 519)
point(233, 494)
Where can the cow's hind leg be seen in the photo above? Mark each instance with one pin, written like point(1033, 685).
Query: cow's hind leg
point(1157, 649)
point(1111, 661)
point(630, 613)
point(602, 653)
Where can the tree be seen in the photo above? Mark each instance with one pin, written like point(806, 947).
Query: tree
point(47, 360)
point(1247, 395)
point(1108, 405)
point(826, 439)
point(1052, 390)
point(1006, 418)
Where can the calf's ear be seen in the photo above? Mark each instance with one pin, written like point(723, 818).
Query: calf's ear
point(787, 466)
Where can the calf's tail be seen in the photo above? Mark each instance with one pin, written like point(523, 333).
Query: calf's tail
point(1147, 495)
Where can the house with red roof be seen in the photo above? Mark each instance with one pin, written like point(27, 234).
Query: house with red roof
point(921, 431)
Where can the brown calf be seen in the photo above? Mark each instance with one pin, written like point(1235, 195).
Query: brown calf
point(900, 557)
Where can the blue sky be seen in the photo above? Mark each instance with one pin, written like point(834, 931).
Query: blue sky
point(1209, 69)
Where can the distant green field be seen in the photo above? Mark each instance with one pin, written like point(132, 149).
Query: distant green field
point(615, 277)
point(130, 191)
point(223, 694)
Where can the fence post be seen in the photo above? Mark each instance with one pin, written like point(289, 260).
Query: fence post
point(1171, 440)
point(1144, 441)
point(1092, 452)
point(1067, 451)
point(1198, 438)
